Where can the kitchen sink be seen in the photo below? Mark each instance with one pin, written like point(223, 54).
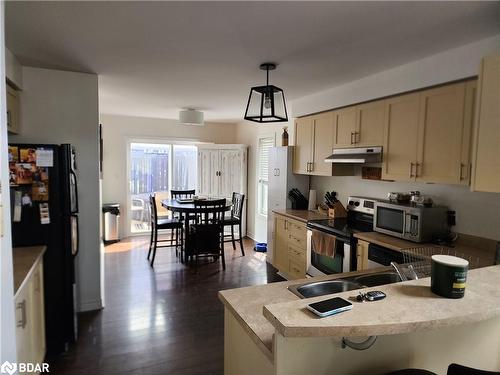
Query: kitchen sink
point(321, 288)
point(377, 279)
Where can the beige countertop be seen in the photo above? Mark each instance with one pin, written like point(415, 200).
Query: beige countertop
point(301, 215)
point(409, 307)
point(480, 251)
point(24, 259)
point(246, 304)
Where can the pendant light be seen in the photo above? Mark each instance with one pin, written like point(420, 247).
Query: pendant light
point(266, 103)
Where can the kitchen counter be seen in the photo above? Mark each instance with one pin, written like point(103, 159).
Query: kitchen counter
point(480, 251)
point(301, 215)
point(246, 304)
point(409, 307)
point(24, 260)
point(268, 330)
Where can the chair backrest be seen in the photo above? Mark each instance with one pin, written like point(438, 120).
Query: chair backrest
point(237, 209)
point(455, 369)
point(174, 194)
point(210, 211)
point(154, 213)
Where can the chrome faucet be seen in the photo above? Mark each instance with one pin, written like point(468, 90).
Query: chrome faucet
point(398, 271)
point(401, 273)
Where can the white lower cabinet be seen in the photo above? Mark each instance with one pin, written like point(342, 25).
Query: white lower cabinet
point(30, 318)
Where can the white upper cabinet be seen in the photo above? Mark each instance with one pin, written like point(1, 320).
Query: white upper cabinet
point(222, 170)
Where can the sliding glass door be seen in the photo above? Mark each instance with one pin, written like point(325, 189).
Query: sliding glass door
point(157, 168)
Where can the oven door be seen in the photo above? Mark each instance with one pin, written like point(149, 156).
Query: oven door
point(389, 219)
point(327, 254)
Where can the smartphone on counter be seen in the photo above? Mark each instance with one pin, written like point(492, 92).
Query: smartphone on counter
point(330, 306)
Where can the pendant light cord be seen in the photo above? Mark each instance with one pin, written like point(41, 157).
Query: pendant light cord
point(267, 73)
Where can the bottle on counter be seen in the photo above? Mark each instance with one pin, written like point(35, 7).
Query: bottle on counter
point(284, 137)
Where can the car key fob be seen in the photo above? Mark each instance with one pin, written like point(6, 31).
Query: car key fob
point(374, 295)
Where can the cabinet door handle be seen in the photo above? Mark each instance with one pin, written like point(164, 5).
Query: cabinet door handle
point(462, 166)
point(312, 166)
point(277, 171)
point(357, 137)
point(22, 306)
point(411, 169)
point(416, 169)
point(9, 123)
point(352, 133)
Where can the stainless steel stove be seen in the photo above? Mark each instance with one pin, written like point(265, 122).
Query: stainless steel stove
point(330, 242)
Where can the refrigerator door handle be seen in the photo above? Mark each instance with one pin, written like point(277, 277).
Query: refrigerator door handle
point(75, 246)
point(72, 173)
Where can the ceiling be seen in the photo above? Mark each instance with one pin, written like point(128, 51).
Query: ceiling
point(154, 58)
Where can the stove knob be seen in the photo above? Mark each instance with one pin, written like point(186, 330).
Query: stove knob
point(351, 203)
point(356, 204)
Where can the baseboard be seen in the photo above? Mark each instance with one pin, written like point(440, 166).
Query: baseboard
point(90, 305)
point(251, 235)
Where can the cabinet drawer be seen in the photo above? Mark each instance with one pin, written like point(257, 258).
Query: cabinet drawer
point(296, 269)
point(296, 241)
point(297, 230)
point(298, 254)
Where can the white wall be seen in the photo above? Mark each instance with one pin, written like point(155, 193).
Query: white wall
point(478, 214)
point(7, 320)
point(62, 107)
point(119, 130)
point(249, 133)
point(443, 67)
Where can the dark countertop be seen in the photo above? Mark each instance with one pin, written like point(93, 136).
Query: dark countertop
point(24, 260)
point(474, 247)
point(301, 215)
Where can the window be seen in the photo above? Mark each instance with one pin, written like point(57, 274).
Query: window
point(265, 145)
point(157, 169)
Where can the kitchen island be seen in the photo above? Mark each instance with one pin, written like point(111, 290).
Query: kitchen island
point(269, 331)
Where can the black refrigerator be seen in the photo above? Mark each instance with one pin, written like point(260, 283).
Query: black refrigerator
point(44, 208)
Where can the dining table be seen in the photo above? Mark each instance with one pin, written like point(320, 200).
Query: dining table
point(187, 209)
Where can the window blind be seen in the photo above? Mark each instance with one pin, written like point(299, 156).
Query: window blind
point(265, 145)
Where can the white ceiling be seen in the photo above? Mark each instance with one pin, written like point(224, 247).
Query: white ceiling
point(154, 58)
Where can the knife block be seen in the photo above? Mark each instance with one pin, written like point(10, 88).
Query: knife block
point(338, 211)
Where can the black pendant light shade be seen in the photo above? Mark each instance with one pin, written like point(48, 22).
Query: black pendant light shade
point(266, 103)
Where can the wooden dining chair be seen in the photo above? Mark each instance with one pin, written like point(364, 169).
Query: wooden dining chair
point(235, 219)
point(182, 194)
point(207, 233)
point(176, 194)
point(159, 224)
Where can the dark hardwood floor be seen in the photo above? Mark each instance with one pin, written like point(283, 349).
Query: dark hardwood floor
point(161, 320)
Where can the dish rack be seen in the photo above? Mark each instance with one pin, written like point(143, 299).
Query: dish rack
point(417, 260)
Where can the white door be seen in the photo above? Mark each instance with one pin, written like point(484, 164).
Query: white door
point(230, 172)
point(208, 169)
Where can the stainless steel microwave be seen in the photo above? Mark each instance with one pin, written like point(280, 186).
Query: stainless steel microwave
point(413, 223)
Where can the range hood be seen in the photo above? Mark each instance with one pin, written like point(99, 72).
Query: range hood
point(358, 155)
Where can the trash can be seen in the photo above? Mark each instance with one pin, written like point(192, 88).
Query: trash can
point(111, 212)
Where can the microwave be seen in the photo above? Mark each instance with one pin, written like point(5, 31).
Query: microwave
point(413, 223)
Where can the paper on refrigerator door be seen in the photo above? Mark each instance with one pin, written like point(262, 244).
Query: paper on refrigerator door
point(44, 158)
point(18, 196)
point(44, 213)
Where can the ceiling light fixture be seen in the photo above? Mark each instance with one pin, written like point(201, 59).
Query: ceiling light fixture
point(266, 103)
point(191, 116)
